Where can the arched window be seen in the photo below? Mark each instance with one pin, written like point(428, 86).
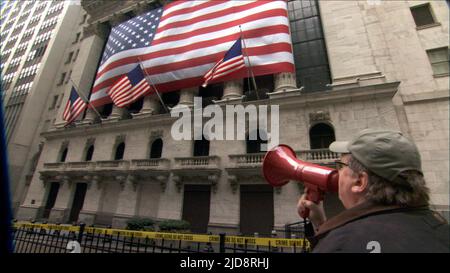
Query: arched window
point(89, 153)
point(254, 145)
point(120, 149)
point(63, 156)
point(321, 135)
point(156, 149)
point(201, 147)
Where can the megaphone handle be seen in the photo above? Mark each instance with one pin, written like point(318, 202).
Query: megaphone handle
point(312, 195)
point(305, 213)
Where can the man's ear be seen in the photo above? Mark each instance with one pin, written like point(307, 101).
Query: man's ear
point(361, 184)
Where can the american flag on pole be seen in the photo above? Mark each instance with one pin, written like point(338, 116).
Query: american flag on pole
point(232, 62)
point(129, 88)
point(74, 107)
point(180, 42)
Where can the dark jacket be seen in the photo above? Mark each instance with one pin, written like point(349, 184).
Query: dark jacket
point(370, 228)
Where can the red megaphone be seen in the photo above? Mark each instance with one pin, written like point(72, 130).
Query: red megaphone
point(280, 165)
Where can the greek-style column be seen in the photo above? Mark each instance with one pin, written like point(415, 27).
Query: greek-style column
point(126, 203)
point(150, 106)
point(285, 85)
point(60, 211)
point(187, 97)
point(232, 92)
point(92, 200)
point(117, 113)
point(285, 82)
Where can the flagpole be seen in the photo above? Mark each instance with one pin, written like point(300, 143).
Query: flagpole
point(85, 99)
point(153, 85)
point(249, 63)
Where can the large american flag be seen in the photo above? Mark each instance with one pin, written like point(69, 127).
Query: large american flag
point(180, 42)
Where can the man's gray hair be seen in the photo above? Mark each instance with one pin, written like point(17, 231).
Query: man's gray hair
point(408, 189)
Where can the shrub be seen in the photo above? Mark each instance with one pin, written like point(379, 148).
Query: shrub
point(174, 225)
point(140, 224)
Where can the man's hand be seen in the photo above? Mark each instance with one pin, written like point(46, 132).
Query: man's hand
point(316, 212)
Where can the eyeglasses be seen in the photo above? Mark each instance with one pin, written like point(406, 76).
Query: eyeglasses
point(340, 164)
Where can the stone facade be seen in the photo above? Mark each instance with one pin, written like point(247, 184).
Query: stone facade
point(381, 78)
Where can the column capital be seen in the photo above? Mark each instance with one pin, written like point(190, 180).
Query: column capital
point(117, 18)
point(98, 29)
point(285, 81)
point(232, 92)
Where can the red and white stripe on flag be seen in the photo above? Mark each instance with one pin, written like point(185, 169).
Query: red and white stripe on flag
point(124, 93)
point(232, 62)
point(74, 106)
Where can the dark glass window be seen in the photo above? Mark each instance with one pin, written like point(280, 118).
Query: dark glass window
point(254, 145)
point(321, 136)
point(89, 153)
point(156, 150)
point(422, 15)
point(311, 59)
point(136, 106)
point(210, 93)
point(170, 99)
point(63, 155)
point(106, 110)
point(265, 84)
point(119, 151)
point(201, 147)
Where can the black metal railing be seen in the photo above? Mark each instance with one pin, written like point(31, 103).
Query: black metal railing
point(54, 238)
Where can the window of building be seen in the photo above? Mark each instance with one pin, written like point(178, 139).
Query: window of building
point(201, 147)
point(106, 110)
point(136, 106)
point(63, 155)
point(254, 145)
point(439, 60)
point(120, 149)
point(55, 100)
point(170, 99)
point(423, 15)
point(89, 153)
point(77, 37)
point(61, 80)
point(84, 19)
point(264, 85)
point(210, 93)
point(76, 55)
point(310, 55)
point(69, 76)
point(156, 149)
point(69, 57)
point(321, 136)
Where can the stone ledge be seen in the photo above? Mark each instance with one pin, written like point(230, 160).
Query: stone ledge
point(426, 97)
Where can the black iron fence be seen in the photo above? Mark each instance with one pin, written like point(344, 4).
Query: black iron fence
point(53, 238)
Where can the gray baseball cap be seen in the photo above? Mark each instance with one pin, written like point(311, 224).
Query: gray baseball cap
point(384, 152)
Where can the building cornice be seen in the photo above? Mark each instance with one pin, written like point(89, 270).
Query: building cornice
point(439, 95)
point(122, 126)
point(101, 11)
point(291, 99)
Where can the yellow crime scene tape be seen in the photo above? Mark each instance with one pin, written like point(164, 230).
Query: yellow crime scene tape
point(47, 226)
point(251, 241)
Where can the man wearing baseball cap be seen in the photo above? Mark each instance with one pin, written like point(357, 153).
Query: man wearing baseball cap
point(381, 185)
